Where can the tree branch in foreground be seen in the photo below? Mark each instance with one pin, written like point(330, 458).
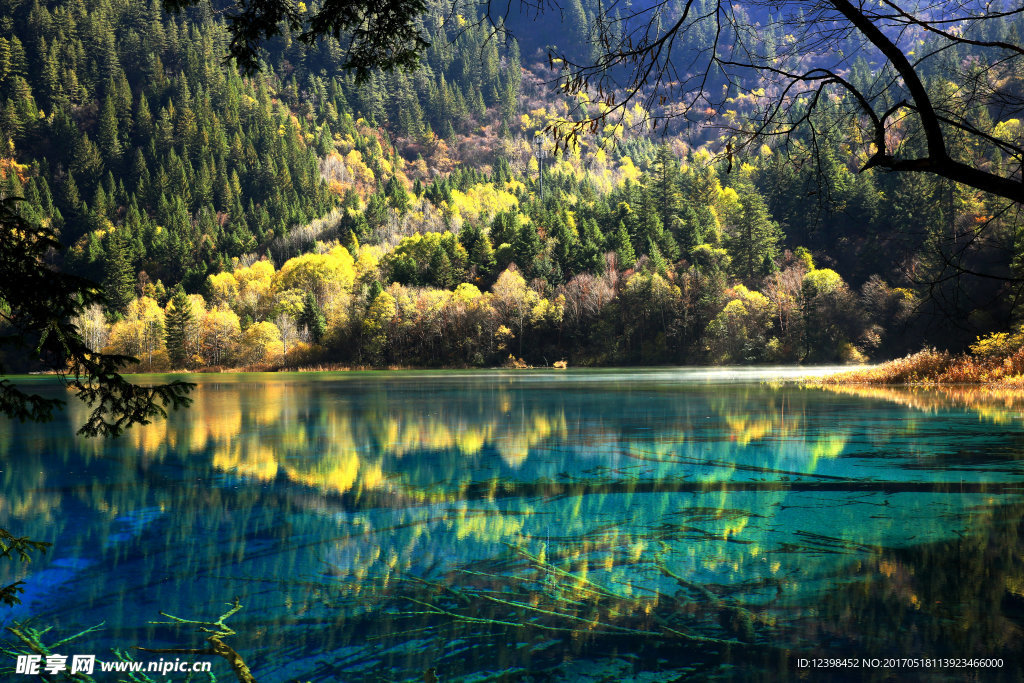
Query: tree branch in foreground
point(37, 305)
point(218, 630)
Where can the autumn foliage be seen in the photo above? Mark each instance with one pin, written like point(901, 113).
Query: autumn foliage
point(995, 359)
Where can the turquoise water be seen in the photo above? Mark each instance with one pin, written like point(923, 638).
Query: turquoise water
point(533, 526)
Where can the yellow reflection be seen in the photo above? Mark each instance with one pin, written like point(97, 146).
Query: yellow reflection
point(266, 428)
point(746, 429)
point(829, 447)
point(377, 439)
point(254, 461)
point(998, 405)
point(492, 525)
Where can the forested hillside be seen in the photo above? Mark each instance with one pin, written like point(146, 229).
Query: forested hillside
point(295, 217)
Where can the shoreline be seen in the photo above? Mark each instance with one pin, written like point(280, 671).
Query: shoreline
point(765, 372)
point(931, 368)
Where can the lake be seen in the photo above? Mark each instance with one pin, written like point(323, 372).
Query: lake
point(534, 526)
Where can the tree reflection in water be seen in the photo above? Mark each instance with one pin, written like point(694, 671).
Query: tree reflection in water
point(534, 526)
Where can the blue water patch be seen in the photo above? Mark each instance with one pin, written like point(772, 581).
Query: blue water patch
point(605, 525)
point(126, 527)
point(45, 588)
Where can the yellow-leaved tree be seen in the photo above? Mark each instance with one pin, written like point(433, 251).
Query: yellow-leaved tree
point(255, 290)
point(261, 344)
point(220, 333)
point(514, 300)
point(376, 324)
point(141, 334)
point(329, 276)
point(223, 289)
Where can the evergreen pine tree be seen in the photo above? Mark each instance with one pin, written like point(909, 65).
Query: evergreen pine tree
point(143, 124)
point(589, 256)
point(565, 245)
point(179, 315)
point(665, 186)
point(525, 248)
point(504, 228)
point(312, 318)
point(623, 247)
point(478, 245)
point(657, 261)
point(110, 142)
point(396, 194)
point(119, 276)
point(754, 239)
point(376, 210)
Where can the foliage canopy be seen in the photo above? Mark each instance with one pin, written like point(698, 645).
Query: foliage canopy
point(37, 304)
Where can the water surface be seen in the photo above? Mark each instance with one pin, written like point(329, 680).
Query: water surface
point(533, 526)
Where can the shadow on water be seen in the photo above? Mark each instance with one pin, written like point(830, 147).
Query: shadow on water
point(575, 527)
point(961, 598)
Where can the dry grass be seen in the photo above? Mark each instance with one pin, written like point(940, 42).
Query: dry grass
point(939, 367)
point(325, 367)
point(255, 367)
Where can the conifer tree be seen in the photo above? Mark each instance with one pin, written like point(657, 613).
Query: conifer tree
point(143, 122)
point(396, 194)
point(119, 276)
point(577, 30)
point(504, 228)
point(623, 247)
point(179, 315)
point(71, 197)
point(754, 239)
point(312, 318)
point(110, 142)
point(479, 248)
point(589, 254)
point(376, 210)
point(565, 244)
point(525, 248)
point(665, 186)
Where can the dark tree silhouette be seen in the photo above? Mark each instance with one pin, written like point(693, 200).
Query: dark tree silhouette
point(374, 34)
point(37, 304)
point(683, 61)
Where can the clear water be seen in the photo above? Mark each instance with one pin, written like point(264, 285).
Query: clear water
point(533, 526)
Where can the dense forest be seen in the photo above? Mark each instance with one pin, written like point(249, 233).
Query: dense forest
point(295, 217)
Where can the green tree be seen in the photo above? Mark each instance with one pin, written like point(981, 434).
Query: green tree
point(37, 304)
point(576, 31)
point(753, 238)
point(479, 249)
point(665, 186)
point(397, 196)
point(119, 276)
point(110, 141)
point(525, 248)
point(176, 323)
point(312, 318)
point(623, 247)
point(376, 210)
